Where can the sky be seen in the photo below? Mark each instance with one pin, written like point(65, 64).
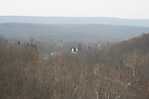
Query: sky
point(132, 9)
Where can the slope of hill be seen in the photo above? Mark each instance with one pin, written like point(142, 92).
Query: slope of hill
point(139, 43)
point(117, 53)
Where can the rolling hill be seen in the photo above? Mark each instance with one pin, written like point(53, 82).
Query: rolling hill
point(70, 32)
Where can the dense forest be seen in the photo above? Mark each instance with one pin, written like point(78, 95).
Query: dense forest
point(110, 71)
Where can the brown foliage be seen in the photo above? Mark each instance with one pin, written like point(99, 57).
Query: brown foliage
point(116, 72)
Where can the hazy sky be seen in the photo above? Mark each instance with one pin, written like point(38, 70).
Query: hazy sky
point(108, 8)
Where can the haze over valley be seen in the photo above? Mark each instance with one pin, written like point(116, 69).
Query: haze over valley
point(87, 29)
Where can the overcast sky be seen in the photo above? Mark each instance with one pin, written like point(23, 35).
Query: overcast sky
point(109, 8)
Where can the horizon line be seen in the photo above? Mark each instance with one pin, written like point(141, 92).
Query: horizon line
point(75, 17)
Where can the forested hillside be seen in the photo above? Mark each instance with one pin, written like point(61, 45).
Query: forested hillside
point(111, 71)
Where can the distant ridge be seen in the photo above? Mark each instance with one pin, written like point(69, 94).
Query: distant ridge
point(70, 32)
point(74, 20)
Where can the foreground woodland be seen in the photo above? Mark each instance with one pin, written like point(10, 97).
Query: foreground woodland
point(114, 71)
